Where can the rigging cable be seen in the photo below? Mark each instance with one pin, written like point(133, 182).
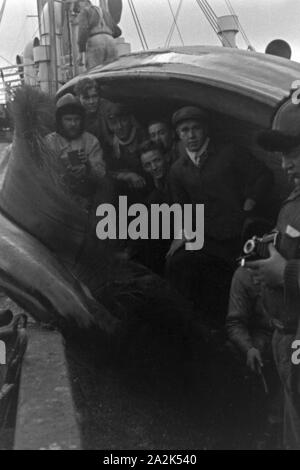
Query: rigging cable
point(240, 28)
point(2, 10)
point(22, 30)
point(213, 20)
point(174, 24)
point(34, 34)
point(209, 19)
point(138, 25)
point(231, 10)
point(6, 60)
point(223, 38)
point(211, 11)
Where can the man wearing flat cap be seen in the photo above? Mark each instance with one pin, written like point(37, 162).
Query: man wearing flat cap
point(279, 277)
point(230, 184)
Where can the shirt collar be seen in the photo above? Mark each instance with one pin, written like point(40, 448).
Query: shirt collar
point(195, 156)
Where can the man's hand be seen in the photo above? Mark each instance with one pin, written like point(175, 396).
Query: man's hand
point(133, 180)
point(254, 360)
point(268, 271)
point(82, 157)
point(175, 245)
point(249, 205)
point(78, 171)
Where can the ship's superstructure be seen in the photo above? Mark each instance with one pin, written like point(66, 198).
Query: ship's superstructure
point(50, 58)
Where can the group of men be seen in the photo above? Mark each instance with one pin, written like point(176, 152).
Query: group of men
point(178, 161)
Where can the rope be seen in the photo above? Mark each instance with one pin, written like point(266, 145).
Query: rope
point(209, 19)
point(174, 24)
point(211, 11)
point(2, 10)
point(213, 20)
point(137, 21)
point(136, 24)
point(241, 29)
point(35, 32)
point(18, 37)
point(140, 25)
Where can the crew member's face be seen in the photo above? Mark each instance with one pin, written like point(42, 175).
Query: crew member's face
point(90, 101)
point(192, 134)
point(291, 164)
point(161, 134)
point(154, 164)
point(121, 125)
point(71, 124)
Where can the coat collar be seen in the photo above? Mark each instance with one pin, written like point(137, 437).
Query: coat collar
point(188, 162)
point(295, 194)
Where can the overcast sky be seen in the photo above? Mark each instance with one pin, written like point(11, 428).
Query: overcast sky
point(262, 20)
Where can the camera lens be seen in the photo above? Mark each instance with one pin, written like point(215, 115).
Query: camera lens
point(249, 247)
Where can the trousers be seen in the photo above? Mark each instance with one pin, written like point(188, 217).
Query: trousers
point(100, 49)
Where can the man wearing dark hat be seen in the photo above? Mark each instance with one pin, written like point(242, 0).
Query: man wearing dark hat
point(78, 153)
point(230, 184)
point(279, 277)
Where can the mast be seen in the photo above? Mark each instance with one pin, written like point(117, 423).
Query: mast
point(39, 8)
point(53, 51)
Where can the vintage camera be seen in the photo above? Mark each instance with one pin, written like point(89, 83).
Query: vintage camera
point(257, 247)
point(74, 157)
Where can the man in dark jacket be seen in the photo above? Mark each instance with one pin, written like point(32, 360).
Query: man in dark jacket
point(248, 325)
point(249, 330)
point(230, 184)
point(155, 165)
point(279, 276)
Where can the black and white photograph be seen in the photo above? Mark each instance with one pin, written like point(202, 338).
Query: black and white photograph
point(149, 233)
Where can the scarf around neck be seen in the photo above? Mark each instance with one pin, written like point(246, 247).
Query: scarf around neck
point(118, 143)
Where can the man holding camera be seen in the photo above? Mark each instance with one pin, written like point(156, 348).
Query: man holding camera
point(279, 277)
point(77, 153)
